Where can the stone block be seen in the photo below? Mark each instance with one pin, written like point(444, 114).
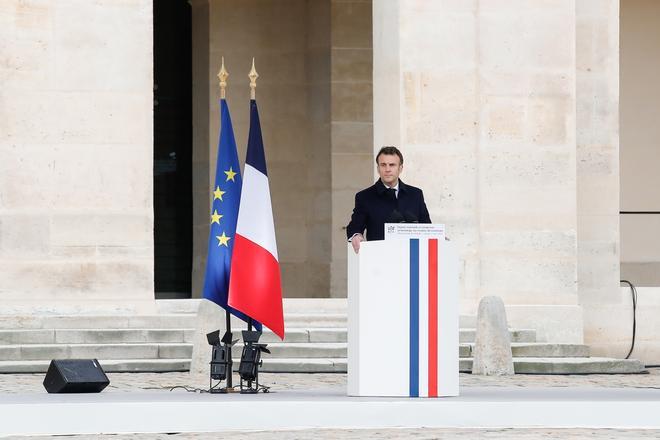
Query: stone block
point(351, 64)
point(516, 207)
point(543, 243)
point(553, 323)
point(351, 24)
point(492, 347)
point(327, 335)
point(304, 350)
point(30, 336)
point(87, 29)
point(548, 119)
point(435, 41)
point(504, 119)
point(352, 102)
point(577, 366)
point(10, 352)
point(134, 276)
point(24, 235)
point(544, 280)
point(352, 137)
point(439, 107)
point(114, 351)
point(26, 176)
point(175, 351)
point(91, 117)
point(352, 172)
point(33, 352)
point(545, 350)
point(527, 168)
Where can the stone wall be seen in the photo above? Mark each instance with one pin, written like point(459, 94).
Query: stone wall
point(291, 46)
point(481, 97)
point(76, 221)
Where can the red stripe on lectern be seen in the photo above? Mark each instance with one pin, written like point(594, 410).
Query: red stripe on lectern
point(433, 317)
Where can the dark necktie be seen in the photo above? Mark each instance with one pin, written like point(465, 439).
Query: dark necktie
point(391, 193)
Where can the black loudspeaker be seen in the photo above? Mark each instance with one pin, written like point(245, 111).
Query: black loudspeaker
point(75, 376)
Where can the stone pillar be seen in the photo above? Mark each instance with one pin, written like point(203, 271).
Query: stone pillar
point(204, 89)
point(598, 176)
point(482, 97)
point(76, 147)
point(352, 162)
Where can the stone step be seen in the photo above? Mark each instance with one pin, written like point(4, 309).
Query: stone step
point(298, 365)
point(568, 365)
point(293, 365)
point(35, 352)
point(308, 350)
point(468, 335)
point(293, 320)
point(109, 336)
point(161, 321)
point(94, 336)
point(303, 365)
point(109, 366)
point(535, 349)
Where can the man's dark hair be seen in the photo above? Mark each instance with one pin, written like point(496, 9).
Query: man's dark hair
point(390, 151)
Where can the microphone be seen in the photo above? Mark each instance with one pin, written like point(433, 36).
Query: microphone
point(395, 217)
point(410, 217)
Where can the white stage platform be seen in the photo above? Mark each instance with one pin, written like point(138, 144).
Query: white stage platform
point(179, 411)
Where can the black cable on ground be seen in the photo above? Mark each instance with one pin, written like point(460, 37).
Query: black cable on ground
point(633, 291)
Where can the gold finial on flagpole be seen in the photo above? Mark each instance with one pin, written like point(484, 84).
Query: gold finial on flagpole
point(223, 75)
point(253, 75)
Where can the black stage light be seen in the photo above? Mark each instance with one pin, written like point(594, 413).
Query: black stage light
point(221, 362)
point(248, 370)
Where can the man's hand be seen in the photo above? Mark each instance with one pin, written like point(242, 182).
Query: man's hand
point(355, 241)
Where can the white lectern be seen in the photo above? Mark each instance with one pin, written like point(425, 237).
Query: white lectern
point(403, 318)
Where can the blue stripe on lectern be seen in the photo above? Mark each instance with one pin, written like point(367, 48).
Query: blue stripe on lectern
point(414, 318)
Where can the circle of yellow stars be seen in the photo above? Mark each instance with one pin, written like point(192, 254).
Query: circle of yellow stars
point(223, 240)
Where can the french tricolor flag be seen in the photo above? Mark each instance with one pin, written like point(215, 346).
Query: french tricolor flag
point(255, 286)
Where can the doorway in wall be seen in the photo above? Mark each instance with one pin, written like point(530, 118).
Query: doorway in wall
point(172, 148)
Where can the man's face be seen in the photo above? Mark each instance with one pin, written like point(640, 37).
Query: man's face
point(389, 168)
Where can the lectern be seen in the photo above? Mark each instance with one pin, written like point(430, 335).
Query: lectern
point(403, 318)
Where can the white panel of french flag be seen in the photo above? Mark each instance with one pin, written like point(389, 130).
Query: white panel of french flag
point(403, 319)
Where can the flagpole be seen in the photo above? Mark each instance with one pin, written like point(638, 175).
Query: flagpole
point(222, 76)
point(253, 75)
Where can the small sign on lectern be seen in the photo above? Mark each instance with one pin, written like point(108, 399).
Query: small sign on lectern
point(414, 230)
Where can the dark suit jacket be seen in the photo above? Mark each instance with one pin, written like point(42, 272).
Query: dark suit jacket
point(374, 207)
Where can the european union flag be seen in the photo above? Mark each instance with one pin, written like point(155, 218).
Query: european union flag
point(224, 214)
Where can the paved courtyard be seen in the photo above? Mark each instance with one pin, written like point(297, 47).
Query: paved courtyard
point(132, 382)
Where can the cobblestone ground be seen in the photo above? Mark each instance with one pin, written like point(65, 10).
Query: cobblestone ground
point(131, 382)
point(126, 382)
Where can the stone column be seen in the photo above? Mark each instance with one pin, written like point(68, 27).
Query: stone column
point(481, 97)
point(76, 147)
point(202, 145)
point(352, 162)
point(598, 177)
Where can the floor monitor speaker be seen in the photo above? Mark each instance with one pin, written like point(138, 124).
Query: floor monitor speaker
point(75, 376)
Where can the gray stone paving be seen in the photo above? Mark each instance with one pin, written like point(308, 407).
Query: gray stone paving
point(131, 382)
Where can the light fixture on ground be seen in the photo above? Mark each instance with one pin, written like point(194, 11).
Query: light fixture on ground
point(221, 361)
point(250, 362)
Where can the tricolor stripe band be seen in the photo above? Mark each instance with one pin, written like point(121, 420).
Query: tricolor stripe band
point(423, 330)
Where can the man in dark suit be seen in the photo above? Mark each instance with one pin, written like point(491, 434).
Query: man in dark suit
point(389, 200)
